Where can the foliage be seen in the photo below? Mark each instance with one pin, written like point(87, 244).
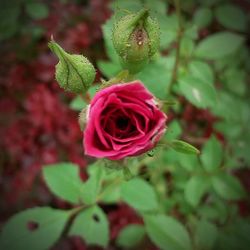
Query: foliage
point(35, 228)
point(187, 197)
point(11, 14)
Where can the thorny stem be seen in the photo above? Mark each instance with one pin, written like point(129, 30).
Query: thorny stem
point(178, 45)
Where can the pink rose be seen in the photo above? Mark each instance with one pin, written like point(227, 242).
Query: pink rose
point(123, 120)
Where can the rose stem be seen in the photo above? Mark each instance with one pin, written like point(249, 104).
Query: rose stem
point(178, 45)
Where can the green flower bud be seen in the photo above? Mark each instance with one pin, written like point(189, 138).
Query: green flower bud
point(136, 39)
point(74, 73)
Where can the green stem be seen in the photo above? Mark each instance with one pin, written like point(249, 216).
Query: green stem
point(127, 173)
point(174, 76)
point(119, 78)
point(86, 97)
point(112, 184)
point(73, 213)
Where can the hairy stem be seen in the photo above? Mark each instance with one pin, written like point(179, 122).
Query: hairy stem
point(174, 76)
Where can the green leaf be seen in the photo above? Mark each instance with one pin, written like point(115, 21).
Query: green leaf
point(203, 17)
point(202, 71)
point(111, 182)
point(212, 154)
point(157, 7)
point(92, 224)
point(174, 130)
point(64, 181)
point(130, 236)
point(128, 5)
point(235, 81)
point(233, 60)
point(221, 110)
point(183, 147)
point(191, 31)
point(74, 73)
point(209, 3)
point(78, 103)
point(139, 194)
point(231, 17)
point(156, 76)
point(226, 100)
point(167, 233)
point(37, 10)
point(235, 235)
point(109, 69)
point(228, 187)
point(199, 93)
point(205, 235)
point(218, 46)
point(107, 34)
point(9, 13)
point(111, 193)
point(189, 162)
point(92, 186)
point(195, 189)
point(187, 47)
point(209, 212)
point(93, 90)
point(36, 229)
point(169, 28)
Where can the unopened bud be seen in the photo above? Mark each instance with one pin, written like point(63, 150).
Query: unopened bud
point(136, 38)
point(74, 73)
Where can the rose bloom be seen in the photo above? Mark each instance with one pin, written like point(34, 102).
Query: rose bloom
point(123, 120)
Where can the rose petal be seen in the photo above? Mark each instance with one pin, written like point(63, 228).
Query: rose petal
point(124, 120)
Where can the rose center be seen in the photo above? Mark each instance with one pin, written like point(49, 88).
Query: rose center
point(122, 123)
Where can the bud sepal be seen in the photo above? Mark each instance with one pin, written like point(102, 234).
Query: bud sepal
point(74, 73)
